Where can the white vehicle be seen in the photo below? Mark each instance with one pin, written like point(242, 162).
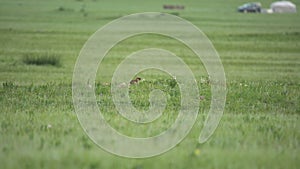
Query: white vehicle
point(283, 7)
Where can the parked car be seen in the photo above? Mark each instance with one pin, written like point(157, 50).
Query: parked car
point(250, 7)
point(283, 7)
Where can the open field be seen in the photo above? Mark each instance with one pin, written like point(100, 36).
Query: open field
point(39, 44)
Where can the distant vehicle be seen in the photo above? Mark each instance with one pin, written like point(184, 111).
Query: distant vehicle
point(250, 7)
point(283, 7)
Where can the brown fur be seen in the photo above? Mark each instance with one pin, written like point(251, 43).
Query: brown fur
point(135, 81)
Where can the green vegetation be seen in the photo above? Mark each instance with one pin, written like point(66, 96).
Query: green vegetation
point(44, 59)
point(39, 44)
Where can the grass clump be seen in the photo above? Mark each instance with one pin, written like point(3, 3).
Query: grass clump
point(42, 59)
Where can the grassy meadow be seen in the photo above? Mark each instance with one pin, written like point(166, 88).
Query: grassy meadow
point(40, 41)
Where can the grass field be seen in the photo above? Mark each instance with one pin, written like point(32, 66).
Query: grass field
point(40, 41)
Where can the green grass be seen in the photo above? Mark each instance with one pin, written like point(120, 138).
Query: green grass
point(38, 125)
point(41, 59)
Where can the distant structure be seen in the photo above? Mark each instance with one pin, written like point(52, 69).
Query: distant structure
point(283, 7)
point(174, 7)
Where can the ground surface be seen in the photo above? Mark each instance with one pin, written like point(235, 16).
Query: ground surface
point(260, 53)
